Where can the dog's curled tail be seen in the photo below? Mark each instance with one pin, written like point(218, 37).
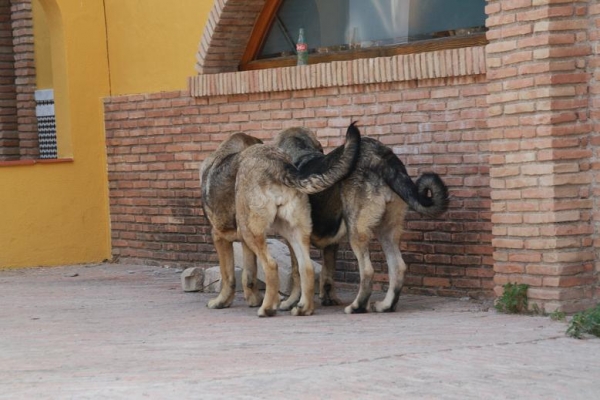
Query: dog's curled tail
point(329, 173)
point(428, 195)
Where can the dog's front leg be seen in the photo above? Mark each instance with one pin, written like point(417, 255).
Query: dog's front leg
point(226, 266)
point(327, 292)
point(249, 280)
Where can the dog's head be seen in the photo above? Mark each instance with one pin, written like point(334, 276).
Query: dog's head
point(298, 142)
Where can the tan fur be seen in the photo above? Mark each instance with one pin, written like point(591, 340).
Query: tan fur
point(373, 210)
point(270, 197)
point(264, 205)
point(217, 174)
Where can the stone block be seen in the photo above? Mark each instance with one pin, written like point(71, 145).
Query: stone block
point(281, 253)
point(192, 279)
point(212, 280)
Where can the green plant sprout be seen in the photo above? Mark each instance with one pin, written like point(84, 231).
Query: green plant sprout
point(514, 299)
point(587, 321)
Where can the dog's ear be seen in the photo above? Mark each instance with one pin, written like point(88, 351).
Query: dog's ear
point(307, 143)
point(320, 147)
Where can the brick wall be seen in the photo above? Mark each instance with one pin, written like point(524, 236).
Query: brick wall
point(516, 140)
point(594, 69)
point(9, 137)
point(18, 124)
point(22, 25)
point(156, 142)
point(538, 69)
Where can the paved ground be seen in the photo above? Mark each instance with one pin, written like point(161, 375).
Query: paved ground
point(129, 332)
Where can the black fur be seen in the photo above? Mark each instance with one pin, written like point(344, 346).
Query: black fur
point(315, 177)
point(428, 195)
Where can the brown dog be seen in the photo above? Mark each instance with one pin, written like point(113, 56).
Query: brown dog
point(270, 198)
point(217, 176)
point(371, 202)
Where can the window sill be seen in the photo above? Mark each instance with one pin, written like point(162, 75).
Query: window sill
point(17, 163)
point(464, 61)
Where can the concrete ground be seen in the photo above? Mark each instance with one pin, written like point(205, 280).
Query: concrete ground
point(130, 332)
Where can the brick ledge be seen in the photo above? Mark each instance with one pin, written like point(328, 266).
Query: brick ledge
point(435, 64)
point(16, 163)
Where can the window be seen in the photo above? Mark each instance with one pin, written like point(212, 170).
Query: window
point(46, 122)
point(347, 29)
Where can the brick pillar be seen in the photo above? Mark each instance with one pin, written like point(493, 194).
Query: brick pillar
point(540, 166)
point(22, 25)
point(595, 137)
point(9, 137)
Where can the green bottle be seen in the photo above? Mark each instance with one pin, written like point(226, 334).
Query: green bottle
point(302, 49)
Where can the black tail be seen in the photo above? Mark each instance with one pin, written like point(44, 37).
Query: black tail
point(312, 181)
point(428, 195)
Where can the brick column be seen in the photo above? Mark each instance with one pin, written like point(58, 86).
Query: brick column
point(22, 25)
point(9, 137)
point(594, 12)
point(542, 205)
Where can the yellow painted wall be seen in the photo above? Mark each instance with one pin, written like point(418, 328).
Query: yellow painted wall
point(153, 43)
point(58, 213)
point(54, 214)
point(42, 49)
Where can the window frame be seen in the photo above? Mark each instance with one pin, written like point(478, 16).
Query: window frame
point(266, 18)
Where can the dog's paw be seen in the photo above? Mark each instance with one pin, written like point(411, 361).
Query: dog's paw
point(266, 312)
point(330, 301)
point(354, 309)
point(302, 311)
point(288, 304)
point(254, 300)
point(218, 303)
point(382, 307)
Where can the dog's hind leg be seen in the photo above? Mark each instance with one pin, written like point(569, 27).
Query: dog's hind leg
point(305, 305)
point(361, 221)
point(360, 246)
point(258, 244)
point(295, 293)
point(327, 292)
point(226, 266)
point(396, 271)
point(249, 280)
point(294, 224)
point(389, 233)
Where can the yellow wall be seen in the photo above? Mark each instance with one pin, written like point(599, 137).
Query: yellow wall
point(53, 214)
point(41, 34)
point(153, 43)
point(58, 213)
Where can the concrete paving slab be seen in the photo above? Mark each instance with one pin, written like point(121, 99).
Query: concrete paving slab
point(130, 332)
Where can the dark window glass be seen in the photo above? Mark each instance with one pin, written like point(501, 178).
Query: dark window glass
point(341, 25)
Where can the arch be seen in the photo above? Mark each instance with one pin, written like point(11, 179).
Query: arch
point(19, 139)
point(59, 76)
point(226, 35)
